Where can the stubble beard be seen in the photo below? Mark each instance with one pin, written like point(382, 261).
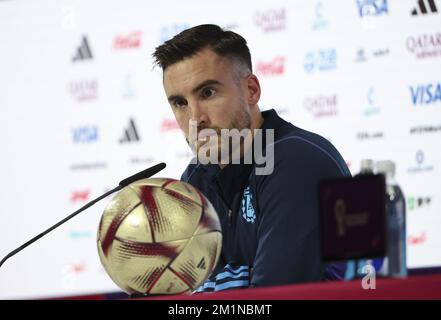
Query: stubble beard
point(241, 120)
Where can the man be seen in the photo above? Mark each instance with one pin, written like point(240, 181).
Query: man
point(269, 219)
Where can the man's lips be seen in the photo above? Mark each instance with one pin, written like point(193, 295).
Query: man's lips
point(204, 136)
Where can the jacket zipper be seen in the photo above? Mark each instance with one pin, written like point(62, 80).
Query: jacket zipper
point(230, 212)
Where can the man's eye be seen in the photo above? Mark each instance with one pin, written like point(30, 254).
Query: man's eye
point(208, 92)
point(179, 103)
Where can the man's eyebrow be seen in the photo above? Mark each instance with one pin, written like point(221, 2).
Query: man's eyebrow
point(208, 82)
point(205, 83)
point(174, 97)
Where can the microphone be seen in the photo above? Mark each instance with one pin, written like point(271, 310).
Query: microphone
point(142, 175)
point(147, 173)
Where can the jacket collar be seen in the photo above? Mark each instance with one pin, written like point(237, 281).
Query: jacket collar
point(233, 178)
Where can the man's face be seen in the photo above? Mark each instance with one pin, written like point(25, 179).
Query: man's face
point(206, 88)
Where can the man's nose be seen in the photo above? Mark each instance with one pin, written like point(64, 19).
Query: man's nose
point(198, 113)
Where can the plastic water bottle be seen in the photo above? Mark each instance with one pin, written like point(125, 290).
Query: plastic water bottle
point(367, 168)
point(395, 264)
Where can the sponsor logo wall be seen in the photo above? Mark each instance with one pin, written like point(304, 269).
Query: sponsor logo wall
point(83, 108)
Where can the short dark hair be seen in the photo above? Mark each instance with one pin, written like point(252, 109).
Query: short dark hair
point(190, 41)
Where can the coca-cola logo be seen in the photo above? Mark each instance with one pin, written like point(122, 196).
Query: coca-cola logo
point(420, 239)
point(80, 196)
point(78, 268)
point(130, 41)
point(274, 67)
point(169, 125)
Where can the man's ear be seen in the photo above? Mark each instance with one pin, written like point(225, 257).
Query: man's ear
point(253, 87)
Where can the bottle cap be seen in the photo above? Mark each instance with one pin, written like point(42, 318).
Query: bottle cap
point(386, 167)
point(367, 165)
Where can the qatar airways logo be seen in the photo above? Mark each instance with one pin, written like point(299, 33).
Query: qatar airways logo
point(84, 90)
point(271, 20)
point(274, 67)
point(321, 105)
point(425, 45)
point(233, 146)
point(130, 41)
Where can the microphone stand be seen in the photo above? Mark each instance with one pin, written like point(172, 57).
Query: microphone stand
point(140, 175)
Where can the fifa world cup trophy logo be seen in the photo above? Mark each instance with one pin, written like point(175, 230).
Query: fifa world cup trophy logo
point(340, 216)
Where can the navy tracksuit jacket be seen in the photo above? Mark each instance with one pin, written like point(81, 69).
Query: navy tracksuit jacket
point(270, 222)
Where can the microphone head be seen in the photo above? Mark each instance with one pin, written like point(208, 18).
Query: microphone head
point(147, 173)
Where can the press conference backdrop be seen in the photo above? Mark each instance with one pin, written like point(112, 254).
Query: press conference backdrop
point(82, 108)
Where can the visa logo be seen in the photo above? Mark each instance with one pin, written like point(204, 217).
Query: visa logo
point(85, 134)
point(372, 7)
point(426, 94)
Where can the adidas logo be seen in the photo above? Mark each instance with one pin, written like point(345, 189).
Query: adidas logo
point(201, 264)
point(424, 7)
point(130, 134)
point(83, 51)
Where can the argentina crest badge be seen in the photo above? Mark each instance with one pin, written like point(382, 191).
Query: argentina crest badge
point(247, 206)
